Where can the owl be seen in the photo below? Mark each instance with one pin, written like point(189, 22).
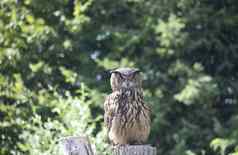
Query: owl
point(127, 117)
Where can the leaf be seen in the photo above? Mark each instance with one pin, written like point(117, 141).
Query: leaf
point(69, 75)
point(222, 144)
point(37, 66)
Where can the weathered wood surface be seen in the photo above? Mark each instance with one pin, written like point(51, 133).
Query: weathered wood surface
point(82, 146)
point(76, 146)
point(135, 150)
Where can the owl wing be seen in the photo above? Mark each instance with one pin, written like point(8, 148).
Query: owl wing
point(148, 108)
point(109, 112)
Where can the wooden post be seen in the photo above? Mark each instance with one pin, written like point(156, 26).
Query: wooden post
point(76, 146)
point(134, 150)
point(81, 146)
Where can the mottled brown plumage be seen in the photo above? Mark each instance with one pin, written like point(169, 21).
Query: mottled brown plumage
point(127, 117)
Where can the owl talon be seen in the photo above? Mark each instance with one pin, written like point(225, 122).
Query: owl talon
point(136, 143)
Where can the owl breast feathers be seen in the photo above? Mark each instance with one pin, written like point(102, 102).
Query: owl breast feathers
point(127, 117)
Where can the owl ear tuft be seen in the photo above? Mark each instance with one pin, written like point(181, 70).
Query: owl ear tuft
point(137, 71)
point(112, 70)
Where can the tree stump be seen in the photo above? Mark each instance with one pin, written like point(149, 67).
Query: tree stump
point(82, 146)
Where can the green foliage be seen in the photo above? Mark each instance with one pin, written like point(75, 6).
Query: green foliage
point(73, 118)
point(54, 56)
point(222, 144)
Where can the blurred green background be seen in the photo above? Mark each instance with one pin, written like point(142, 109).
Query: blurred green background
point(54, 62)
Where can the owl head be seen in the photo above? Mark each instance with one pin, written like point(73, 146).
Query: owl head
point(125, 78)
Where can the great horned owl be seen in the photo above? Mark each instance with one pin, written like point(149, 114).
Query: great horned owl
point(127, 117)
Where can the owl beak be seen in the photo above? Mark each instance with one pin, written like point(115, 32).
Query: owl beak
point(124, 76)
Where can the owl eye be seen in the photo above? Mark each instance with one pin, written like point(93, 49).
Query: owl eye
point(126, 75)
